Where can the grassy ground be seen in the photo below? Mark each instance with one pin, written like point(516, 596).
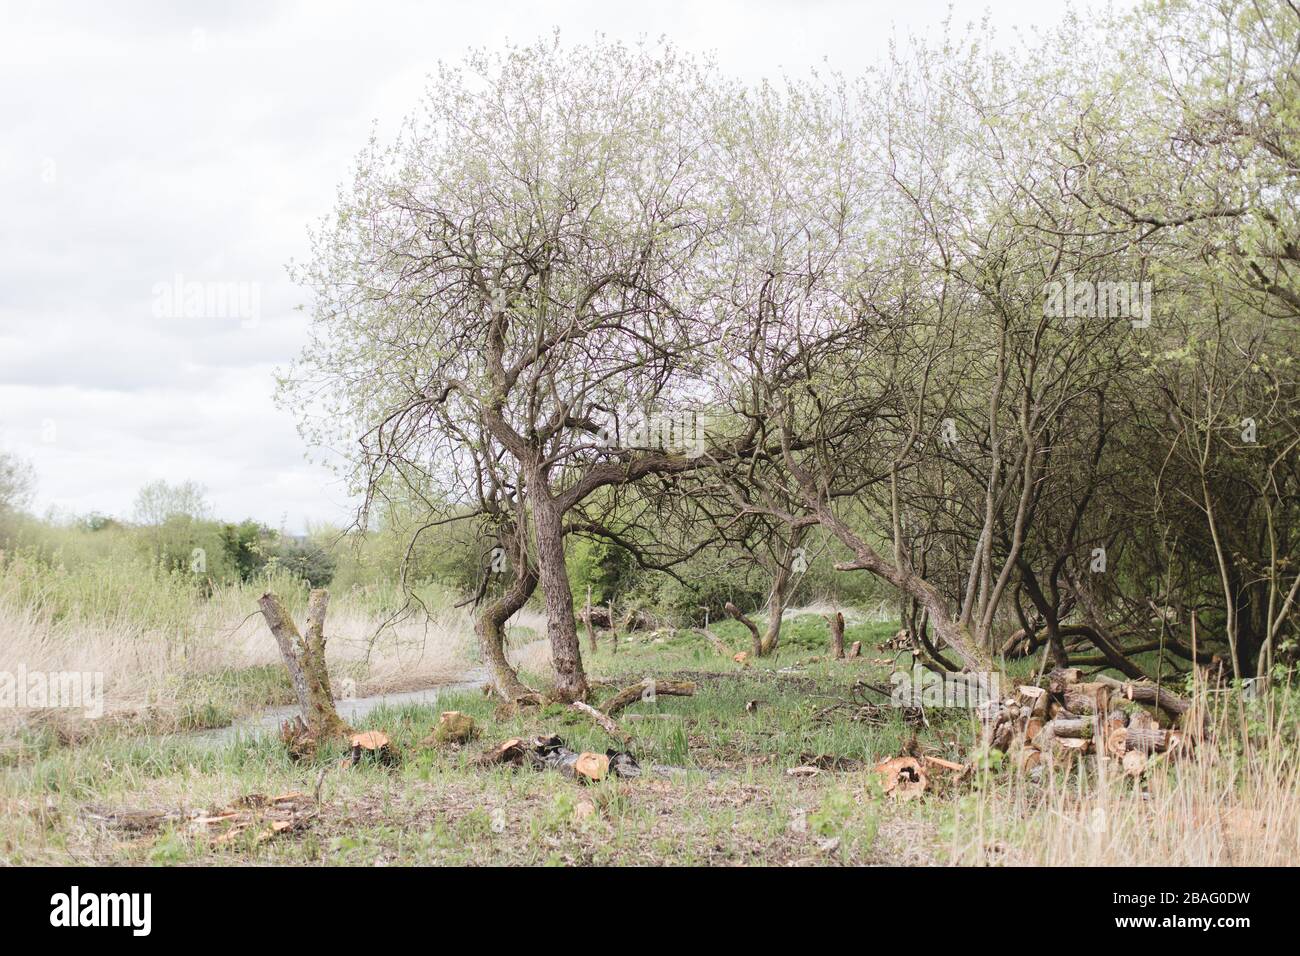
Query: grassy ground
point(727, 798)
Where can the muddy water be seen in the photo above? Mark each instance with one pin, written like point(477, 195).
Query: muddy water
point(353, 710)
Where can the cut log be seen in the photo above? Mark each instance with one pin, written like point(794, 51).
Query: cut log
point(902, 777)
point(509, 752)
point(901, 641)
point(1135, 763)
point(1117, 742)
point(549, 753)
point(1149, 694)
point(369, 740)
point(304, 658)
point(372, 745)
point(1078, 728)
point(1062, 677)
point(855, 649)
point(1033, 727)
point(1147, 740)
point(648, 689)
point(591, 766)
point(1034, 700)
point(1091, 698)
point(1141, 720)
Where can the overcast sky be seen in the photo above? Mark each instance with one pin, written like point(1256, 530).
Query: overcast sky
point(148, 145)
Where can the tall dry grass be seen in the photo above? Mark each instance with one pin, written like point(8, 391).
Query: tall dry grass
point(153, 635)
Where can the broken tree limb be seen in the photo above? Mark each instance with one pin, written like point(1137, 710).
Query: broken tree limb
point(647, 689)
point(304, 658)
point(945, 764)
point(718, 644)
point(606, 724)
point(739, 615)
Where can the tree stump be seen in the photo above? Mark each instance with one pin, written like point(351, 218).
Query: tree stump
point(836, 621)
point(304, 658)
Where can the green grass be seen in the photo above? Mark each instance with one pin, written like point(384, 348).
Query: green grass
point(716, 789)
point(727, 798)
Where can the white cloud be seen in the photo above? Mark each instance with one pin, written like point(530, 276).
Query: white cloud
point(137, 147)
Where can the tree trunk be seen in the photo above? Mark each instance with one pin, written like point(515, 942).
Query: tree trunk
point(1050, 614)
point(561, 627)
point(775, 608)
point(782, 583)
point(489, 627)
point(304, 658)
point(954, 632)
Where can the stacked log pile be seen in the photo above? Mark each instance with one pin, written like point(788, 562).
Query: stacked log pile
point(1065, 717)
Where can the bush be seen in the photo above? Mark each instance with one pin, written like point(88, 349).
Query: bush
point(306, 560)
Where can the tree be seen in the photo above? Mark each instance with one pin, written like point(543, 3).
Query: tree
point(16, 483)
point(244, 547)
point(170, 516)
point(159, 501)
point(306, 560)
point(513, 278)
